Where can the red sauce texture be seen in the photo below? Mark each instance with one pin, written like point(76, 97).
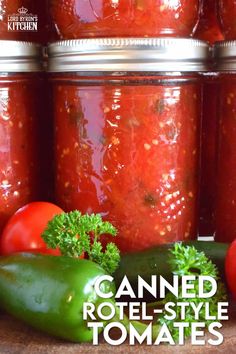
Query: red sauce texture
point(19, 143)
point(130, 151)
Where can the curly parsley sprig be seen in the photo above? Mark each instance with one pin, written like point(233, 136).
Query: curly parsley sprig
point(75, 234)
point(186, 260)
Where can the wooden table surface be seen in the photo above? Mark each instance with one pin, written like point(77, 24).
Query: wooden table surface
point(17, 338)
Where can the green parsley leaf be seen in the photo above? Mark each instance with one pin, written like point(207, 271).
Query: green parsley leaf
point(186, 260)
point(75, 234)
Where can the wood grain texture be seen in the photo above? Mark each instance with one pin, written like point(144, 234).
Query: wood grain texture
point(17, 338)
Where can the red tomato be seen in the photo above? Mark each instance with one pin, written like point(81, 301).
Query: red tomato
point(23, 231)
point(230, 268)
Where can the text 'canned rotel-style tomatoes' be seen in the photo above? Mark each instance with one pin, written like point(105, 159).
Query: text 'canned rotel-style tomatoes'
point(127, 18)
point(127, 146)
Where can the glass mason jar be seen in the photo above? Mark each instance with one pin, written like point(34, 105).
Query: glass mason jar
point(227, 15)
point(20, 86)
point(208, 28)
point(225, 56)
point(127, 131)
point(26, 20)
point(124, 18)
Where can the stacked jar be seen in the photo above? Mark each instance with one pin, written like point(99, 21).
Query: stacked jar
point(164, 200)
point(20, 87)
point(225, 68)
point(127, 134)
point(25, 158)
point(121, 77)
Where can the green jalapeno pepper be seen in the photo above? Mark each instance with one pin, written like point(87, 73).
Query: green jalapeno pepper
point(48, 292)
point(155, 260)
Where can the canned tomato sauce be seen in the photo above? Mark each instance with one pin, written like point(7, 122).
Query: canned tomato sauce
point(127, 18)
point(225, 56)
point(127, 132)
point(19, 141)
